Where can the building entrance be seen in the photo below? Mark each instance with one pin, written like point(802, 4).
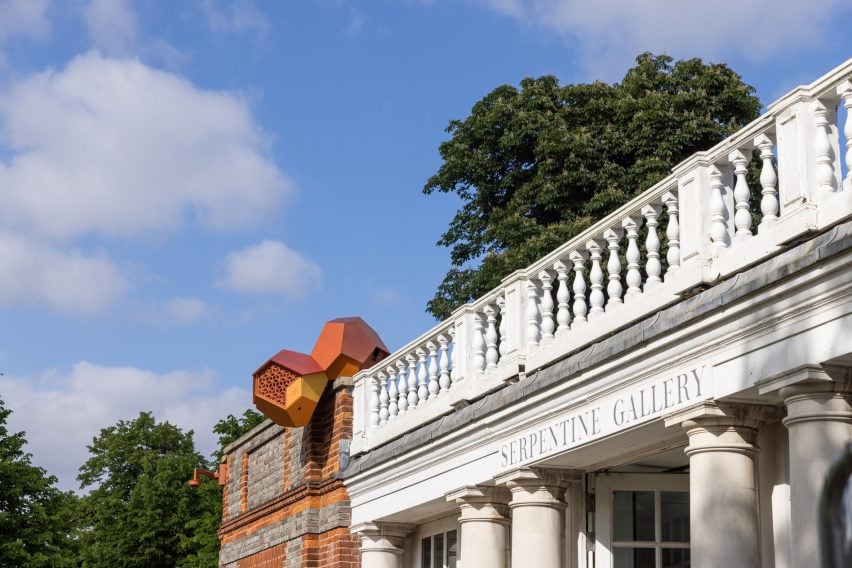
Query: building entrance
point(642, 521)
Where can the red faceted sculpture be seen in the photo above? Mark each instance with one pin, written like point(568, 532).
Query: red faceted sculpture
point(347, 345)
point(288, 387)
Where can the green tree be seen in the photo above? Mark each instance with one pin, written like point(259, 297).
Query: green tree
point(202, 545)
point(537, 165)
point(231, 428)
point(140, 508)
point(36, 518)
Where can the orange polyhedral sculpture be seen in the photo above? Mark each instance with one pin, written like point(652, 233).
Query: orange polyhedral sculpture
point(288, 387)
point(347, 345)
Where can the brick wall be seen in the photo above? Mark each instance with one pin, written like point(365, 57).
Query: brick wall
point(284, 505)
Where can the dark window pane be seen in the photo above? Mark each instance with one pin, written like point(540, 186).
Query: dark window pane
point(675, 558)
point(426, 553)
point(633, 516)
point(438, 539)
point(452, 549)
point(634, 558)
point(674, 507)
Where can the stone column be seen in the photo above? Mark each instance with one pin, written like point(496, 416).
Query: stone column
point(722, 487)
point(819, 423)
point(484, 522)
point(538, 517)
point(382, 543)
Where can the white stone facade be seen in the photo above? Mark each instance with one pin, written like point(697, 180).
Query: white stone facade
point(685, 417)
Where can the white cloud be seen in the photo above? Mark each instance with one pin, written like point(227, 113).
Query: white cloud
point(179, 312)
point(38, 275)
point(610, 33)
point(235, 16)
point(183, 311)
point(122, 149)
point(270, 268)
point(357, 21)
point(61, 411)
point(23, 18)
point(112, 25)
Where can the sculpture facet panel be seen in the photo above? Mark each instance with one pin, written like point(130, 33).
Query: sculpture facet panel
point(347, 345)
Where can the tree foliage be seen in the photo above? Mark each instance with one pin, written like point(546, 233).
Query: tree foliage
point(537, 165)
point(140, 511)
point(36, 518)
point(141, 508)
point(231, 428)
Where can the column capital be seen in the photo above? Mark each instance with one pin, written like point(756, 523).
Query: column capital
point(481, 503)
point(538, 487)
point(721, 414)
point(718, 426)
point(828, 377)
point(380, 535)
point(528, 476)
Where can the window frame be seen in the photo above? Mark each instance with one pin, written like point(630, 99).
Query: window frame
point(605, 487)
point(444, 548)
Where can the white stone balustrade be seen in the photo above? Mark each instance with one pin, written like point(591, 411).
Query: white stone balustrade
point(693, 227)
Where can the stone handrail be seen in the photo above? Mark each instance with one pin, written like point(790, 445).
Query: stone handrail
point(683, 234)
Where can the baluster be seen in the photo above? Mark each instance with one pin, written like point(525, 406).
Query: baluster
point(634, 277)
point(444, 365)
point(373, 401)
point(433, 386)
point(578, 258)
point(613, 268)
point(845, 91)
point(478, 346)
point(547, 324)
point(672, 233)
point(596, 296)
point(403, 386)
point(532, 315)
point(383, 398)
point(718, 230)
point(652, 246)
point(768, 181)
point(393, 392)
point(412, 381)
point(824, 153)
point(503, 347)
point(742, 195)
point(563, 296)
point(454, 372)
point(422, 377)
point(491, 353)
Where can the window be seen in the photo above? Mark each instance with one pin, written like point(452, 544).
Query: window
point(439, 550)
point(650, 529)
point(642, 521)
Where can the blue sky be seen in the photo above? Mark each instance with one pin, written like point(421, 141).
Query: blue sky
point(187, 187)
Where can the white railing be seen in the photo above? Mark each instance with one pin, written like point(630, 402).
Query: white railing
point(687, 231)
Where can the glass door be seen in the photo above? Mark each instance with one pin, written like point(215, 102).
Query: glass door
point(642, 521)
